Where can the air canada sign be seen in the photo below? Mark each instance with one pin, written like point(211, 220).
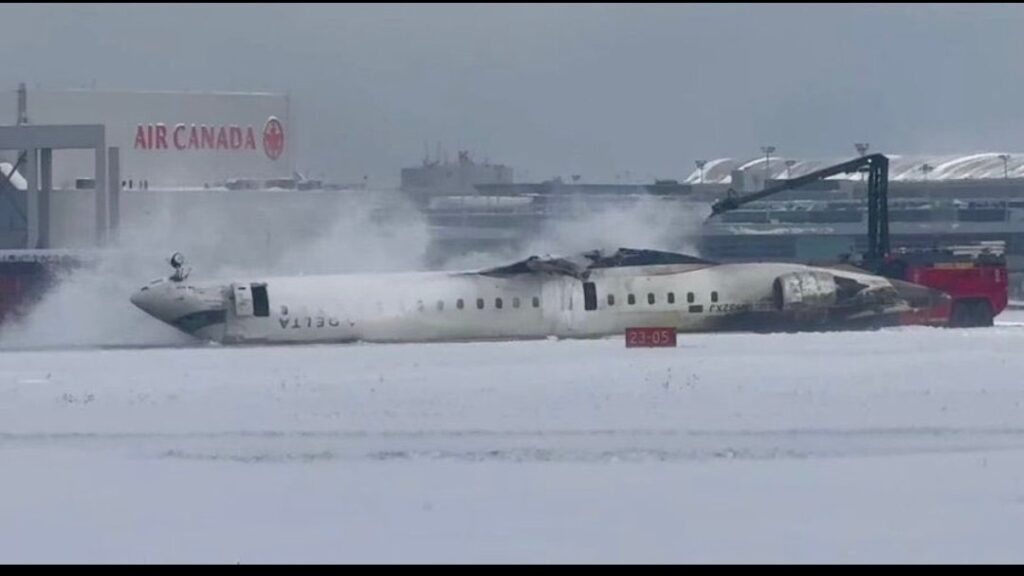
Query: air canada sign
point(202, 137)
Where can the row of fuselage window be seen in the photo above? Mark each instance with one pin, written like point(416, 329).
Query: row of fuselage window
point(498, 303)
point(651, 299)
point(535, 302)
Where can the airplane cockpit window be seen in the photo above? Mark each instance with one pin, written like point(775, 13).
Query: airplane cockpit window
point(479, 303)
point(260, 302)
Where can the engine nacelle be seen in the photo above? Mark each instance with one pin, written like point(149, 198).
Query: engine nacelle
point(804, 291)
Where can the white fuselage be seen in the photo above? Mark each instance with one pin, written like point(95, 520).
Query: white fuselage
point(433, 306)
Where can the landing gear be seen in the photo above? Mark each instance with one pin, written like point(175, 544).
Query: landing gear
point(180, 271)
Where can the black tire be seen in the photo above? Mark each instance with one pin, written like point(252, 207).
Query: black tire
point(961, 315)
point(983, 313)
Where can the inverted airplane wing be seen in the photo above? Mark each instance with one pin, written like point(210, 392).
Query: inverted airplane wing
point(538, 264)
point(579, 266)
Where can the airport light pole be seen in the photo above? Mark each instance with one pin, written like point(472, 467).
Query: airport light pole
point(925, 169)
point(700, 166)
point(1005, 158)
point(767, 162)
point(789, 168)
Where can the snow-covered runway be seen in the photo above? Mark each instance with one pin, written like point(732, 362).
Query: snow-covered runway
point(898, 445)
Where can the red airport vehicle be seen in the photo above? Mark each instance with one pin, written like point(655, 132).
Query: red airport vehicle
point(975, 277)
point(26, 275)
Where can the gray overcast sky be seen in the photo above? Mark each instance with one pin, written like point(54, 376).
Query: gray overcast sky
point(561, 89)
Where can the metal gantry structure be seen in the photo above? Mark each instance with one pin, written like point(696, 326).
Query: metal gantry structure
point(877, 168)
point(36, 143)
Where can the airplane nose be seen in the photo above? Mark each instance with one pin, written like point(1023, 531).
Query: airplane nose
point(160, 300)
point(139, 297)
point(191, 308)
point(146, 300)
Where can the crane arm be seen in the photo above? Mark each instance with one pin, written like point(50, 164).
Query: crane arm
point(878, 180)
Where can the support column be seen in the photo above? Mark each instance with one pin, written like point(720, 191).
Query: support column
point(100, 188)
point(31, 199)
point(114, 178)
point(45, 190)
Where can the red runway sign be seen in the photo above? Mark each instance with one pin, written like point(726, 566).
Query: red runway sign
point(650, 337)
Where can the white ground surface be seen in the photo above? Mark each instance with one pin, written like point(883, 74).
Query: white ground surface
point(902, 445)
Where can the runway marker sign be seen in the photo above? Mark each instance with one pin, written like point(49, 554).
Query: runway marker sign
point(650, 337)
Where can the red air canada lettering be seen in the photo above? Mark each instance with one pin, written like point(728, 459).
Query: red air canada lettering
point(197, 137)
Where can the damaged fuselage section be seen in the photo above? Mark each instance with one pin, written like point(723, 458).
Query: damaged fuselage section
point(592, 294)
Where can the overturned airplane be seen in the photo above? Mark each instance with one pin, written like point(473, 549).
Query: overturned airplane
point(592, 294)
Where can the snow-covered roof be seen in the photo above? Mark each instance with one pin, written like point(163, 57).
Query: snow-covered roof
point(901, 168)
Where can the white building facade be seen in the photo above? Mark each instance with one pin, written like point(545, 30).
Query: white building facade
point(169, 139)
